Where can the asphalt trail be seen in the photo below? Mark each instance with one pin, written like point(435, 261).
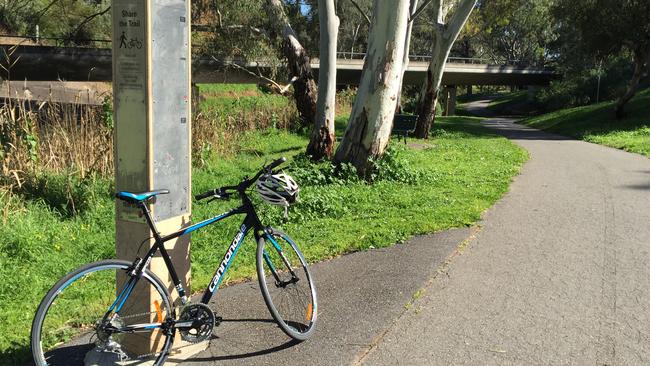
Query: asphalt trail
point(558, 275)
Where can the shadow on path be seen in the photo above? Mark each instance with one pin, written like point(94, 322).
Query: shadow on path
point(507, 127)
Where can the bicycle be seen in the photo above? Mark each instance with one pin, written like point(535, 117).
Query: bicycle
point(110, 328)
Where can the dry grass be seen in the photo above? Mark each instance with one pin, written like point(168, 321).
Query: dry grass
point(53, 138)
point(217, 129)
point(77, 139)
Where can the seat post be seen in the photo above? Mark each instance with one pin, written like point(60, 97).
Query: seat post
point(150, 222)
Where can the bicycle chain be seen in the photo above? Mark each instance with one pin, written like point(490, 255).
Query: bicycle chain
point(174, 309)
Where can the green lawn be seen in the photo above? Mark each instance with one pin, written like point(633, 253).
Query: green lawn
point(596, 123)
point(233, 99)
point(507, 103)
point(451, 183)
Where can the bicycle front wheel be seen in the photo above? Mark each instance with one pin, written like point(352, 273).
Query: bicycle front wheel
point(98, 315)
point(286, 284)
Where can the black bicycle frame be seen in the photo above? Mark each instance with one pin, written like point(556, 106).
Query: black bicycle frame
point(250, 221)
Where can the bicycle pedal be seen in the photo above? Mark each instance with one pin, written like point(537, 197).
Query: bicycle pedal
point(217, 320)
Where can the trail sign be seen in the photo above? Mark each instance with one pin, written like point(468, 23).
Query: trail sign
point(151, 92)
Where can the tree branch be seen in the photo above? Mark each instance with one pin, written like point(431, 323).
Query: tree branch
point(458, 19)
point(420, 10)
point(88, 19)
point(365, 16)
point(281, 89)
point(38, 17)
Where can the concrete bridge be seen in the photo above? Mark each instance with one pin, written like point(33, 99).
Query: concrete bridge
point(38, 63)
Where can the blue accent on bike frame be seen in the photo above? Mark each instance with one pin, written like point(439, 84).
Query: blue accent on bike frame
point(137, 197)
point(234, 253)
point(275, 243)
point(118, 297)
point(204, 223)
point(126, 296)
point(267, 259)
point(152, 326)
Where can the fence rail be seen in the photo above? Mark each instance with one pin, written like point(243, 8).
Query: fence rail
point(105, 43)
point(425, 58)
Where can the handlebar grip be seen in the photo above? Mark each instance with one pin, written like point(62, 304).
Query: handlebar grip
point(276, 163)
point(207, 194)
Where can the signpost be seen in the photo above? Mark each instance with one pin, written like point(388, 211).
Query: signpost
point(152, 110)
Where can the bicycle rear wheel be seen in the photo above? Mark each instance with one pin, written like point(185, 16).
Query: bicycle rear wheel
point(71, 326)
point(286, 284)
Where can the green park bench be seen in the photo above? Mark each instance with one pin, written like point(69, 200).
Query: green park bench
point(404, 124)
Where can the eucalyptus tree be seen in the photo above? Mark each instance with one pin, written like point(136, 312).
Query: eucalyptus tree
point(322, 139)
point(407, 47)
point(298, 62)
point(605, 28)
point(368, 132)
point(74, 21)
point(354, 27)
point(13, 14)
point(443, 34)
point(518, 30)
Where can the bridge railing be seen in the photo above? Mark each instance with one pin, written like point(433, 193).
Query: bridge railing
point(427, 58)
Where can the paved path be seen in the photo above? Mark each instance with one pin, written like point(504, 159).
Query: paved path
point(359, 296)
point(559, 273)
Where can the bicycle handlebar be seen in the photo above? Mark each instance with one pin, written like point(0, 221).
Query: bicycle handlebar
point(222, 192)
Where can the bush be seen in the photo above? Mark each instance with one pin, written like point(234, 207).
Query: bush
point(579, 87)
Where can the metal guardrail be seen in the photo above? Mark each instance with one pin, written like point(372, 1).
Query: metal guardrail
point(105, 43)
point(426, 58)
point(59, 42)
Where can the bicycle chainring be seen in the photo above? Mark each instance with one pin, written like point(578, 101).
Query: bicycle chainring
point(203, 322)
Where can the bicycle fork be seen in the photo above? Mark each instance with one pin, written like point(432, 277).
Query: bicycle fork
point(267, 259)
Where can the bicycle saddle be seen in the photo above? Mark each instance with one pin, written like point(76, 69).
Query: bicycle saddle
point(132, 197)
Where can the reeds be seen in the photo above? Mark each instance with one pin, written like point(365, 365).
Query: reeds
point(49, 137)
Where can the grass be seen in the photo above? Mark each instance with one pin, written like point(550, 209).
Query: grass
point(505, 103)
point(596, 123)
point(232, 99)
point(449, 184)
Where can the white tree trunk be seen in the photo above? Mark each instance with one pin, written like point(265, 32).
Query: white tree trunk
point(322, 137)
point(444, 36)
point(371, 120)
point(407, 47)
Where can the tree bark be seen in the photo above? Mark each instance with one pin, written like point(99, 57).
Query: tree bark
point(407, 46)
point(444, 36)
point(426, 113)
point(640, 61)
point(304, 89)
point(368, 132)
point(321, 144)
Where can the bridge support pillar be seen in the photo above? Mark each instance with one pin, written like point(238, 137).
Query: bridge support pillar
point(532, 92)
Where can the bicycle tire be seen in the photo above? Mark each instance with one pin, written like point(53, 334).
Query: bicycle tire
point(293, 304)
point(67, 317)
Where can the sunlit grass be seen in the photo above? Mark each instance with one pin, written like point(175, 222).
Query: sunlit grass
point(461, 172)
point(596, 123)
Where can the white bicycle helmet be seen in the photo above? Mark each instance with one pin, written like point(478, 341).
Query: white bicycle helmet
point(278, 189)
